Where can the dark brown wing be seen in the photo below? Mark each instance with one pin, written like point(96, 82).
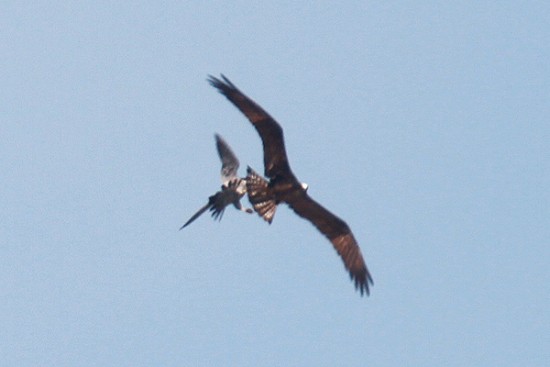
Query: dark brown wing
point(271, 133)
point(338, 232)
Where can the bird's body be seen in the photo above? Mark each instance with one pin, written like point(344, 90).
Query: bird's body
point(284, 187)
point(233, 187)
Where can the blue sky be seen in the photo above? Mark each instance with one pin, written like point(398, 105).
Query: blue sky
point(423, 124)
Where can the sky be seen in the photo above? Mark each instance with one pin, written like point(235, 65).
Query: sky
point(424, 125)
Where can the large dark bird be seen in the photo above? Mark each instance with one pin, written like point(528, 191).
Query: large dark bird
point(233, 187)
point(284, 187)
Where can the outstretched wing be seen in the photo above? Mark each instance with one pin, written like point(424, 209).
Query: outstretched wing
point(271, 133)
point(338, 232)
point(230, 163)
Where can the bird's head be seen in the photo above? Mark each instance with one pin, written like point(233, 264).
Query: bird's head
point(305, 186)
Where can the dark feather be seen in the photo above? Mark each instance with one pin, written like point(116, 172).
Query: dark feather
point(196, 215)
point(338, 232)
point(271, 133)
point(216, 204)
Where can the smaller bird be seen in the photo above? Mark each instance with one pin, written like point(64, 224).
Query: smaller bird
point(233, 187)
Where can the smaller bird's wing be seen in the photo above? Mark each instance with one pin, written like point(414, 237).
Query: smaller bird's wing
point(339, 234)
point(230, 163)
point(271, 133)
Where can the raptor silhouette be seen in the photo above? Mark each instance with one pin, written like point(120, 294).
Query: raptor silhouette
point(284, 187)
point(233, 187)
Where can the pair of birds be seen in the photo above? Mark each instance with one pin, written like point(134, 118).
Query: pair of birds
point(282, 187)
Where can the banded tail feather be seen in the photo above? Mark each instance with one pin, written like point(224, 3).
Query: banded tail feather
point(260, 195)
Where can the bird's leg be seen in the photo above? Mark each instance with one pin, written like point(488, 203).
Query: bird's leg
point(239, 206)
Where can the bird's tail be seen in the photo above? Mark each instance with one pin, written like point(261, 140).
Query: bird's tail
point(260, 195)
point(195, 216)
point(215, 205)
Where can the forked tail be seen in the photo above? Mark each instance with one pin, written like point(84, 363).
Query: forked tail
point(195, 216)
point(260, 195)
point(216, 205)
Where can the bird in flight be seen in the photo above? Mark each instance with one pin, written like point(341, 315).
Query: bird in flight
point(284, 187)
point(233, 187)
